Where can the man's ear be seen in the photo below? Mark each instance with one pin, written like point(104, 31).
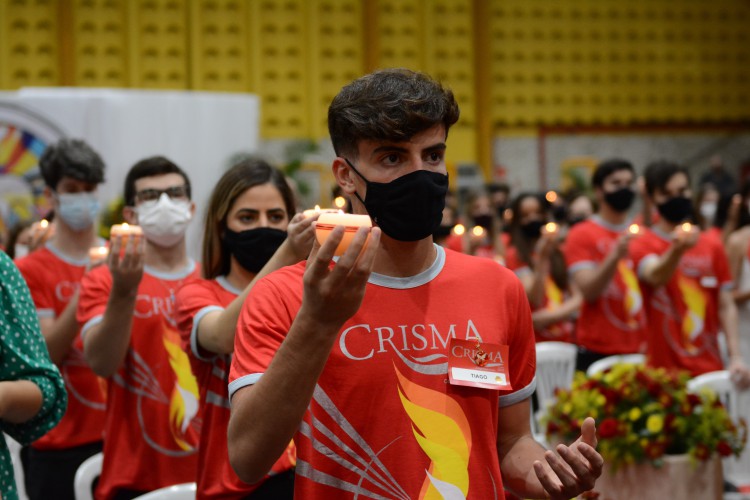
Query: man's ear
point(128, 213)
point(344, 175)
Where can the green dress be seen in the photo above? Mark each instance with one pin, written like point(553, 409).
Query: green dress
point(24, 356)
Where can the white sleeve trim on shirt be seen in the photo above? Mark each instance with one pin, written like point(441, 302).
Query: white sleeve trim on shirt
point(194, 332)
point(518, 396)
point(92, 322)
point(647, 260)
point(243, 381)
point(584, 264)
point(45, 313)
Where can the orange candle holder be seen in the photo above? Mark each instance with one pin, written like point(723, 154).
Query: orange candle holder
point(125, 231)
point(351, 222)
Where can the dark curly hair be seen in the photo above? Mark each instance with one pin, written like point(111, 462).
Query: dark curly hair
point(71, 158)
point(391, 105)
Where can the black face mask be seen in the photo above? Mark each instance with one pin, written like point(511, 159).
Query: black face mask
point(676, 209)
point(484, 221)
point(532, 229)
point(501, 211)
point(560, 213)
point(255, 247)
point(409, 208)
point(620, 200)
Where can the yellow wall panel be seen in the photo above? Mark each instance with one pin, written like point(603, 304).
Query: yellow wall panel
point(100, 31)
point(158, 44)
point(401, 33)
point(29, 43)
point(279, 67)
point(220, 45)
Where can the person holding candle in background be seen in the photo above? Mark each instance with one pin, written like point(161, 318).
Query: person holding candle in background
point(684, 274)
point(72, 172)
point(534, 255)
point(354, 356)
point(250, 231)
point(130, 338)
point(599, 262)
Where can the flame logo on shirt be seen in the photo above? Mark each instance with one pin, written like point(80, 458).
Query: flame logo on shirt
point(183, 404)
point(694, 318)
point(633, 299)
point(442, 431)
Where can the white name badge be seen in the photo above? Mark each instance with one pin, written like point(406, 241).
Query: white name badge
point(497, 380)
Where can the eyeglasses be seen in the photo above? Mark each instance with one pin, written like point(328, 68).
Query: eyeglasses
point(174, 192)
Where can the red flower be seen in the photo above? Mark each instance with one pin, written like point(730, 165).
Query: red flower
point(608, 428)
point(654, 450)
point(702, 452)
point(693, 400)
point(724, 449)
point(552, 427)
point(669, 421)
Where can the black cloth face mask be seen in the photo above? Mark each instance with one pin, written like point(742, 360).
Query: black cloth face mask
point(676, 209)
point(532, 229)
point(620, 200)
point(255, 247)
point(409, 208)
point(485, 221)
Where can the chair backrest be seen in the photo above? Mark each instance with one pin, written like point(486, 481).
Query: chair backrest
point(185, 491)
point(610, 361)
point(555, 367)
point(721, 383)
point(87, 472)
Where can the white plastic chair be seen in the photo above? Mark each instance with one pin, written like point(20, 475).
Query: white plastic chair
point(721, 383)
point(555, 367)
point(616, 359)
point(87, 472)
point(185, 491)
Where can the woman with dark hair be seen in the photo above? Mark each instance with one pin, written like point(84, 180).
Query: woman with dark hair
point(250, 230)
point(534, 255)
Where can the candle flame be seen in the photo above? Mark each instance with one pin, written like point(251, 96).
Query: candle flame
point(101, 250)
point(43, 223)
point(551, 227)
point(508, 214)
point(459, 229)
point(634, 229)
point(687, 227)
point(317, 208)
point(339, 201)
point(477, 231)
point(551, 196)
point(125, 225)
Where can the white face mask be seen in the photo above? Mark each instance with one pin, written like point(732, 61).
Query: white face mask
point(78, 210)
point(165, 220)
point(708, 211)
point(20, 250)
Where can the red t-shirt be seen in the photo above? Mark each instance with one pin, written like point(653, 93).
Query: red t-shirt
point(384, 421)
point(152, 424)
point(614, 322)
point(562, 331)
point(683, 315)
point(53, 279)
point(216, 478)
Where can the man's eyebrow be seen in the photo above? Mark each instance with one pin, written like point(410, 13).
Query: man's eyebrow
point(388, 148)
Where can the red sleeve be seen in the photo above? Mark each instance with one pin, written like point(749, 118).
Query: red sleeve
point(264, 322)
point(194, 298)
point(94, 295)
point(41, 291)
point(522, 348)
point(579, 246)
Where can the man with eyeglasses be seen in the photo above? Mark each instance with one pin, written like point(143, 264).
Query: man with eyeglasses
point(130, 338)
point(72, 172)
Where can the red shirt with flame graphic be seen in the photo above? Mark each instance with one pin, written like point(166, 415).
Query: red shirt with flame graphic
point(562, 331)
point(53, 279)
point(152, 424)
point(683, 315)
point(384, 421)
point(216, 479)
point(614, 323)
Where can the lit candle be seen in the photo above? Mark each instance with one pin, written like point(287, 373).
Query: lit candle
point(459, 229)
point(550, 228)
point(124, 231)
point(551, 196)
point(339, 202)
point(97, 254)
point(634, 229)
point(43, 223)
point(311, 211)
point(687, 227)
point(477, 231)
point(351, 222)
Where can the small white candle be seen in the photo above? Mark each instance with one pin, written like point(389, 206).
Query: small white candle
point(351, 222)
point(634, 229)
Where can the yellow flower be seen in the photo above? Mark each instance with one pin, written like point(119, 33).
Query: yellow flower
point(654, 424)
point(635, 414)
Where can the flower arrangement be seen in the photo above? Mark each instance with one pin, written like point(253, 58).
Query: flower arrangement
point(643, 414)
